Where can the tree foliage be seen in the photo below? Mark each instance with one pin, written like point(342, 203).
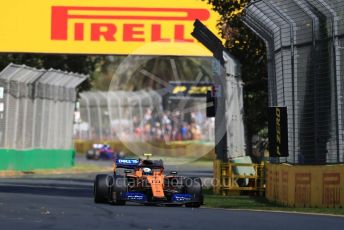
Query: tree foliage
point(251, 52)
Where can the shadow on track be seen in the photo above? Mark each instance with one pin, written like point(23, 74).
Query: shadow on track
point(60, 189)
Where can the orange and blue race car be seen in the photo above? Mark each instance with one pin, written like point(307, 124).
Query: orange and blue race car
point(144, 181)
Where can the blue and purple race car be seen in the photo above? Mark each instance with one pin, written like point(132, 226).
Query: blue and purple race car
point(102, 152)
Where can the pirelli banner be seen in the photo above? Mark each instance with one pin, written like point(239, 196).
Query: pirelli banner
point(278, 131)
point(145, 27)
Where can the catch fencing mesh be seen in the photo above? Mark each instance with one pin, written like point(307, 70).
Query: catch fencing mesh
point(37, 108)
point(304, 40)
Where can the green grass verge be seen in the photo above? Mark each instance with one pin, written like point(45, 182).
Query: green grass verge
point(259, 203)
point(77, 169)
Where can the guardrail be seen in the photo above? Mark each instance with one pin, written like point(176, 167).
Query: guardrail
point(229, 179)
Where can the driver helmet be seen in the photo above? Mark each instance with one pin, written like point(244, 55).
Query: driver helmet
point(147, 171)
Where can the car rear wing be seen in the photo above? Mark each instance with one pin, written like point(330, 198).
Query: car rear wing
point(127, 163)
point(138, 163)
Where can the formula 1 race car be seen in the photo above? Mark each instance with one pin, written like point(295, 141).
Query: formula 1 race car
point(101, 151)
point(144, 181)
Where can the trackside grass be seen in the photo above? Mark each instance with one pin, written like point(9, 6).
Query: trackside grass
point(259, 203)
point(77, 169)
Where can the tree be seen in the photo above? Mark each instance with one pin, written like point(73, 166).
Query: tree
point(251, 52)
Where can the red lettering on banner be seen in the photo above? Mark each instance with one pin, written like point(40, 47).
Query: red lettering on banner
point(270, 182)
point(79, 31)
point(276, 186)
point(331, 189)
point(285, 186)
point(62, 15)
point(107, 31)
point(303, 189)
point(156, 34)
point(180, 33)
point(130, 30)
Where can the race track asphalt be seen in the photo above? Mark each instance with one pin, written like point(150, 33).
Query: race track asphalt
point(66, 202)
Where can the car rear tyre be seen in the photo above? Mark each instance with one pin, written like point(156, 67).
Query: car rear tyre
point(89, 154)
point(119, 187)
point(193, 186)
point(101, 188)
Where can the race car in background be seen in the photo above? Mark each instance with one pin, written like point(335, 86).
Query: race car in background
point(144, 181)
point(102, 152)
